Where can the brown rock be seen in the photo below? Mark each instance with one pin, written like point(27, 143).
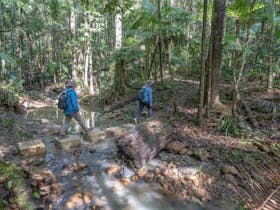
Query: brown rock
point(175, 146)
point(227, 169)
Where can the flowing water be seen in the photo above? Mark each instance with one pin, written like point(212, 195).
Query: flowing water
point(93, 187)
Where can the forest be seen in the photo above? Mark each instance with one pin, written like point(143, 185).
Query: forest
point(213, 141)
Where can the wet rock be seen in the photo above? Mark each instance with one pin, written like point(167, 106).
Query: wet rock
point(125, 181)
point(44, 190)
point(113, 169)
point(227, 169)
point(49, 176)
point(201, 154)
point(68, 142)
point(175, 146)
point(95, 135)
point(141, 172)
point(57, 188)
point(78, 167)
point(135, 178)
point(149, 177)
point(78, 201)
point(29, 148)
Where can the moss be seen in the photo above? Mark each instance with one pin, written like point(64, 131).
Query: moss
point(18, 185)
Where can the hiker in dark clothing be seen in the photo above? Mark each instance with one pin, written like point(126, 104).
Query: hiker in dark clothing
point(72, 111)
point(147, 101)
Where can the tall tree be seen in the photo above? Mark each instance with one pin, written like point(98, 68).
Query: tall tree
point(203, 63)
point(215, 54)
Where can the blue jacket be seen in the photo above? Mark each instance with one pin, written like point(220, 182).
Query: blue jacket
point(72, 102)
point(148, 95)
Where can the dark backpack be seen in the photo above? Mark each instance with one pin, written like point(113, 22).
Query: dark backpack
point(62, 100)
point(141, 94)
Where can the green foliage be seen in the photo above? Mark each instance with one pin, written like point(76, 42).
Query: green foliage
point(229, 125)
point(10, 184)
point(36, 195)
point(10, 92)
point(9, 122)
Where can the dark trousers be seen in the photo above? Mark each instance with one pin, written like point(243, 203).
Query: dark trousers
point(141, 108)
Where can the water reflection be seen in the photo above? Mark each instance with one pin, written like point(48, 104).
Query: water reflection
point(91, 117)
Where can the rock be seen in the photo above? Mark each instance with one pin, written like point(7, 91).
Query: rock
point(113, 169)
point(125, 181)
point(44, 121)
point(44, 190)
point(149, 177)
point(115, 131)
point(95, 135)
point(175, 146)
point(227, 169)
point(68, 142)
point(185, 151)
point(78, 167)
point(50, 129)
point(140, 144)
point(35, 147)
point(141, 172)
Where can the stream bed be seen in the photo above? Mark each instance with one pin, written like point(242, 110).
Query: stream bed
point(91, 185)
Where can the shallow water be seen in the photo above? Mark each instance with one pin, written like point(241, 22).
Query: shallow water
point(105, 191)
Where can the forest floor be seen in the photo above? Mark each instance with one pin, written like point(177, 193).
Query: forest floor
point(238, 164)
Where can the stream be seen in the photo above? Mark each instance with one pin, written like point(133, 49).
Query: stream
point(93, 187)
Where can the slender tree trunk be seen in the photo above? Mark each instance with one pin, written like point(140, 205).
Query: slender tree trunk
point(72, 28)
point(215, 52)
point(120, 77)
point(160, 42)
point(270, 60)
point(203, 63)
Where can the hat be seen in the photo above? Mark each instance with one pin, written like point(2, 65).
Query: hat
point(70, 84)
point(150, 82)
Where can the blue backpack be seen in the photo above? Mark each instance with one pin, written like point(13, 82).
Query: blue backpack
point(141, 94)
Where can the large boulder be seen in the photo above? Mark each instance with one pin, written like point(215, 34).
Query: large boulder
point(142, 143)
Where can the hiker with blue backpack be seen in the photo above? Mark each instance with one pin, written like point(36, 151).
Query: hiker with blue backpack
point(145, 98)
point(68, 101)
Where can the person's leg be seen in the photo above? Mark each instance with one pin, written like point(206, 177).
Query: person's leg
point(79, 119)
point(65, 126)
point(150, 110)
point(140, 110)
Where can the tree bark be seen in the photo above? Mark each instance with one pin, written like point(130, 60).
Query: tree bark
point(215, 51)
point(203, 63)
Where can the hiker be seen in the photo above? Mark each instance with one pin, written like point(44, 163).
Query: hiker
point(146, 100)
point(72, 111)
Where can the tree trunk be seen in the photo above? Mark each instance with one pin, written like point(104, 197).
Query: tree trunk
point(203, 63)
point(270, 59)
point(160, 43)
point(72, 29)
point(215, 52)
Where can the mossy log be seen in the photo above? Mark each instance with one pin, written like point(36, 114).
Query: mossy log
point(140, 144)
